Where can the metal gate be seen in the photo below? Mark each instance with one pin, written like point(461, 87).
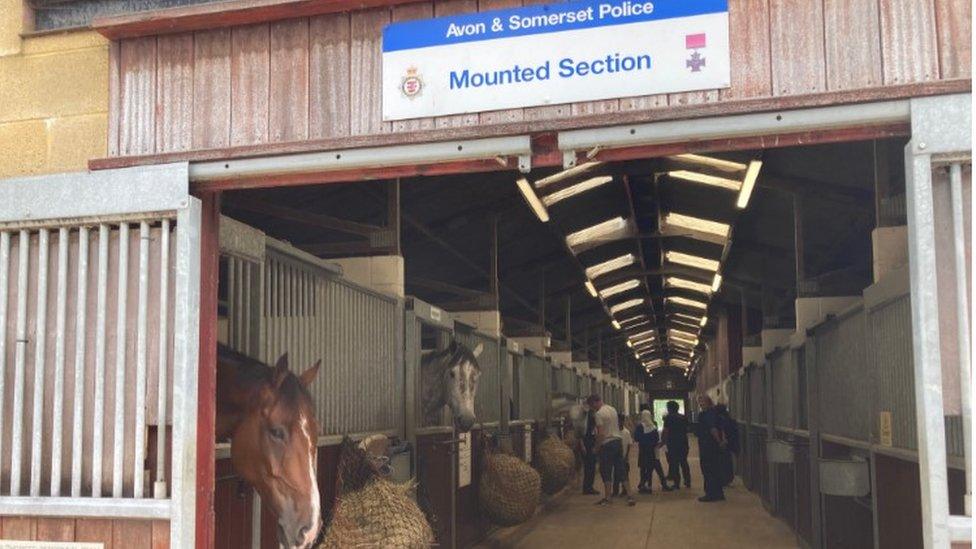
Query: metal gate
point(533, 380)
point(99, 302)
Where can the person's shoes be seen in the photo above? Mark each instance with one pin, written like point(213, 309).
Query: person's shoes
point(603, 502)
point(667, 488)
point(687, 485)
point(631, 502)
point(590, 492)
point(709, 499)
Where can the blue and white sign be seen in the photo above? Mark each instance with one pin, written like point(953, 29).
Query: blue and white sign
point(566, 52)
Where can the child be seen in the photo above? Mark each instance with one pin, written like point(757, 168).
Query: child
point(647, 439)
point(626, 441)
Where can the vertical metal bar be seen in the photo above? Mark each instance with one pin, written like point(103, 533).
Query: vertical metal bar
point(78, 414)
point(142, 313)
point(922, 264)
point(962, 321)
point(4, 282)
point(121, 323)
point(186, 354)
point(159, 488)
point(98, 420)
point(59, 323)
point(246, 309)
point(17, 432)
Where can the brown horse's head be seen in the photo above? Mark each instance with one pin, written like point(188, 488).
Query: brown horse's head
point(275, 447)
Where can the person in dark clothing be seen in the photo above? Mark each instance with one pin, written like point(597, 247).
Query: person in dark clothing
point(711, 446)
point(647, 438)
point(731, 434)
point(675, 436)
point(589, 455)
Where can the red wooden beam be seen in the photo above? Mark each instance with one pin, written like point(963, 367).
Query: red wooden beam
point(224, 14)
point(207, 374)
point(543, 153)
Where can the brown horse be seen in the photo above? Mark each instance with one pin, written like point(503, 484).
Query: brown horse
point(269, 418)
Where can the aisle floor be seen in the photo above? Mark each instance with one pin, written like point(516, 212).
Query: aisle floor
point(661, 519)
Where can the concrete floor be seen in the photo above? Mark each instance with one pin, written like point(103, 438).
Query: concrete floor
point(673, 520)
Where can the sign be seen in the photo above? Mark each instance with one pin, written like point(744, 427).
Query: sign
point(566, 52)
point(464, 460)
point(884, 433)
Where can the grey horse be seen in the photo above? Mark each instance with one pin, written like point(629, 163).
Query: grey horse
point(450, 377)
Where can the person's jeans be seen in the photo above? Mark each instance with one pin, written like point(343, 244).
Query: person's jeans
point(647, 472)
point(678, 467)
point(711, 466)
point(589, 469)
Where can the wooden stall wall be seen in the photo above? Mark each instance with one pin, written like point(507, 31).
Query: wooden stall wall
point(319, 77)
point(112, 534)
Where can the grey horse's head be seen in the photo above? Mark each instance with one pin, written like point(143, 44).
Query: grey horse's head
point(461, 384)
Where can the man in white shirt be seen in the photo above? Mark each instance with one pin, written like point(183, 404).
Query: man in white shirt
point(609, 446)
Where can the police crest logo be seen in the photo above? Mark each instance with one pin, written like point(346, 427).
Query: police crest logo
point(695, 42)
point(411, 85)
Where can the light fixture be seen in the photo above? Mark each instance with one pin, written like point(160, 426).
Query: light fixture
point(629, 304)
point(628, 320)
point(683, 324)
point(706, 179)
point(610, 265)
point(716, 282)
point(629, 344)
point(619, 288)
point(687, 317)
point(717, 163)
point(696, 224)
point(651, 334)
point(565, 174)
point(590, 288)
point(682, 342)
point(682, 334)
point(611, 229)
point(748, 183)
point(533, 201)
point(679, 363)
point(675, 282)
point(576, 189)
point(704, 321)
point(615, 324)
point(644, 341)
point(691, 260)
point(678, 300)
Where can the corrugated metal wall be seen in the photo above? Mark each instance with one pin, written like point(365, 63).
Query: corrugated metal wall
point(842, 364)
point(313, 315)
point(533, 377)
point(890, 326)
point(783, 388)
point(757, 402)
point(487, 403)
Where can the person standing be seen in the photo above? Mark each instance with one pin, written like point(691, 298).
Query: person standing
point(622, 475)
point(675, 436)
point(731, 433)
point(648, 438)
point(711, 446)
point(589, 454)
point(609, 447)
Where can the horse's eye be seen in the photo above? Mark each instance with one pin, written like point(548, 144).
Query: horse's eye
point(278, 433)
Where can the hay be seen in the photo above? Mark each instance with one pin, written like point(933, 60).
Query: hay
point(555, 463)
point(509, 489)
point(371, 511)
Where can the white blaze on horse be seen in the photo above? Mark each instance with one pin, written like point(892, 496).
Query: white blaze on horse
point(449, 377)
point(269, 417)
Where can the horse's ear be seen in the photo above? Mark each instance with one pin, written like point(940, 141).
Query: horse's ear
point(308, 376)
point(280, 370)
point(477, 350)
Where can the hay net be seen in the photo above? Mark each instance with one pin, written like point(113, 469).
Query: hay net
point(371, 511)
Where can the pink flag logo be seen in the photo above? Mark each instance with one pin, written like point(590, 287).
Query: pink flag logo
point(695, 42)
